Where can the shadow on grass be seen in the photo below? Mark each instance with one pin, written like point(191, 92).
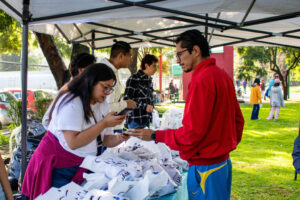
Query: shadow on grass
point(262, 163)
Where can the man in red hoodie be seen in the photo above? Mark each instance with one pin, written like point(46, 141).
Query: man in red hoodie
point(212, 121)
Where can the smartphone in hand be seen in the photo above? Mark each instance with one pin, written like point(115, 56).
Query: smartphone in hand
point(125, 111)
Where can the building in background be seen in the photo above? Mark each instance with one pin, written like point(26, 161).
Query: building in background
point(224, 59)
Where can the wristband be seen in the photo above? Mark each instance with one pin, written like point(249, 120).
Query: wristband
point(153, 136)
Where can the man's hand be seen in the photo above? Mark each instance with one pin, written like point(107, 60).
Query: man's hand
point(149, 108)
point(143, 134)
point(131, 103)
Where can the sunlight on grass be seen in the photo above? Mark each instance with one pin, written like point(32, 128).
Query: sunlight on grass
point(262, 163)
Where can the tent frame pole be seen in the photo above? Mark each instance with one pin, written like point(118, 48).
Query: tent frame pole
point(24, 70)
point(93, 42)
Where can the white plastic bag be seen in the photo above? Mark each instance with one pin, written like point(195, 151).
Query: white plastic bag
point(155, 120)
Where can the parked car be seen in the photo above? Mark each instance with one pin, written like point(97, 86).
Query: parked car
point(32, 96)
point(5, 98)
point(4, 119)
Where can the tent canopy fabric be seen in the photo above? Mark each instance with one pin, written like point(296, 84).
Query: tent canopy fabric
point(157, 22)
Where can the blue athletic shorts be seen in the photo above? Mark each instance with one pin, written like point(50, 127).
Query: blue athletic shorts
point(210, 182)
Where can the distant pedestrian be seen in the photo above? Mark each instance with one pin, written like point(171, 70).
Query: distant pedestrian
point(276, 98)
point(245, 85)
point(172, 87)
point(271, 83)
point(255, 98)
point(238, 83)
point(262, 89)
point(176, 89)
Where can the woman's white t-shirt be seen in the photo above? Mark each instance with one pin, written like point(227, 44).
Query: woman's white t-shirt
point(70, 116)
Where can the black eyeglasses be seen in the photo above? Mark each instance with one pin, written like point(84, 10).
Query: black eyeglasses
point(178, 54)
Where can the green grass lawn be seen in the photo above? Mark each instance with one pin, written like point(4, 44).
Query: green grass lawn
point(4, 139)
point(262, 163)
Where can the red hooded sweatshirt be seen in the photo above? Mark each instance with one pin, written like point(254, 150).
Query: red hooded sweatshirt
point(212, 122)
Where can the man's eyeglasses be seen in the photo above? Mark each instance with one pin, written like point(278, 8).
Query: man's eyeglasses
point(107, 90)
point(178, 54)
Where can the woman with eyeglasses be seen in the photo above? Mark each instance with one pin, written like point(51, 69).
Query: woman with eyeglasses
point(80, 123)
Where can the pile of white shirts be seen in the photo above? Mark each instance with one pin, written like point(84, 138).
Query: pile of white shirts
point(72, 191)
point(172, 118)
point(135, 170)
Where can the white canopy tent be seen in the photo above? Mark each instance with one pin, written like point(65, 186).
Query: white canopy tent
point(155, 23)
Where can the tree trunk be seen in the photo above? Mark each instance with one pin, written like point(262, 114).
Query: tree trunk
point(133, 66)
point(285, 91)
point(283, 78)
point(285, 84)
point(54, 59)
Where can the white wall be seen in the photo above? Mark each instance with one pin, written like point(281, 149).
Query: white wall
point(36, 80)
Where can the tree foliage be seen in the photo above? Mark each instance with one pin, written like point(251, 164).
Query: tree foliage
point(64, 48)
point(11, 38)
point(11, 35)
point(167, 52)
point(10, 32)
point(253, 62)
point(279, 60)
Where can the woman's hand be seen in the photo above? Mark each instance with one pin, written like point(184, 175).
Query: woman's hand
point(111, 119)
point(149, 108)
point(123, 137)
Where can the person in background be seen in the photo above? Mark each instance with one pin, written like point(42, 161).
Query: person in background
point(172, 87)
point(139, 87)
point(262, 89)
point(245, 85)
point(276, 99)
point(176, 89)
point(296, 154)
point(238, 83)
point(120, 57)
point(255, 98)
point(77, 66)
point(5, 189)
point(80, 62)
point(80, 124)
point(212, 122)
point(271, 83)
